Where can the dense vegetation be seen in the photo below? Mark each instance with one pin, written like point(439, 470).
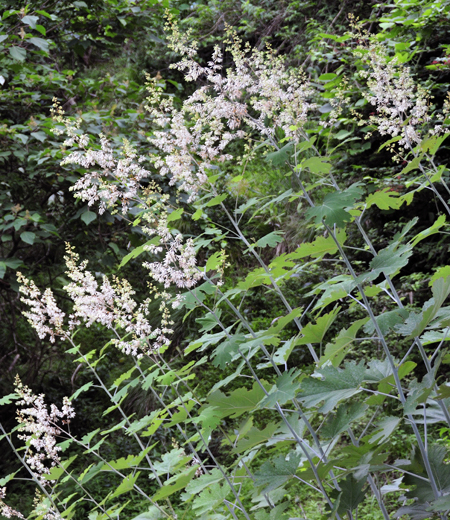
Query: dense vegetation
point(261, 191)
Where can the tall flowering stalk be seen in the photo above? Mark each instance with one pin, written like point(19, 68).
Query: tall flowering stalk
point(41, 428)
point(259, 101)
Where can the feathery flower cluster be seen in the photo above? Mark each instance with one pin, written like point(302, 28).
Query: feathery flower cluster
point(118, 179)
point(402, 106)
point(110, 304)
point(182, 256)
point(41, 429)
point(6, 510)
point(259, 93)
point(44, 315)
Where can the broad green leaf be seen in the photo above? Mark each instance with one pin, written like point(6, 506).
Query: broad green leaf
point(199, 484)
point(432, 230)
point(414, 164)
point(336, 351)
point(205, 341)
point(434, 336)
point(171, 462)
point(416, 323)
point(277, 513)
point(216, 200)
point(153, 513)
point(254, 437)
point(211, 498)
point(317, 165)
point(89, 436)
point(126, 485)
point(334, 386)
point(441, 272)
point(384, 429)
point(88, 216)
point(84, 388)
point(418, 488)
point(238, 402)
point(28, 237)
point(209, 417)
point(271, 240)
point(388, 261)
point(123, 377)
point(332, 209)
point(282, 321)
point(328, 76)
point(281, 356)
point(433, 143)
point(227, 351)
point(175, 215)
point(391, 141)
point(57, 471)
point(386, 321)
point(209, 321)
point(315, 332)
point(342, 134)
point(276, 472)
point(39, 42)
point(351, 494)
point(41, 29)
point(384, 199)
point(214, 261)
point(8, 399)
point(17, 53)
point(5, 480)
point(320, 247)
point(341, 421)
point(150, 419)
point(418, 393)
point(174, 484)
point(284, 390)
point(281, 156)
point(441, 504)
point(333, 289)
point(30, 20)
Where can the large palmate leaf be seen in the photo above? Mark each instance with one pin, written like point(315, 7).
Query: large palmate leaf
point(386, 321)
point(284, 390)
point(418, 392)
point(336, 351)
point(419, 487)
point(416, 323)
point(171, 462)
point(332, 385)
point(176, 483)
point(315, 332)
point(384, 429)
point(254, 437)
point(339, 422)
point(351, 494)
point(238, 402)
point(276, 472)
point(227, 351)
point(389, 261)
point(211, 498)
point(384, 199)
point(332, 209)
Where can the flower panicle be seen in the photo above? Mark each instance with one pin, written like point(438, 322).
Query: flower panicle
point(40, 428)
